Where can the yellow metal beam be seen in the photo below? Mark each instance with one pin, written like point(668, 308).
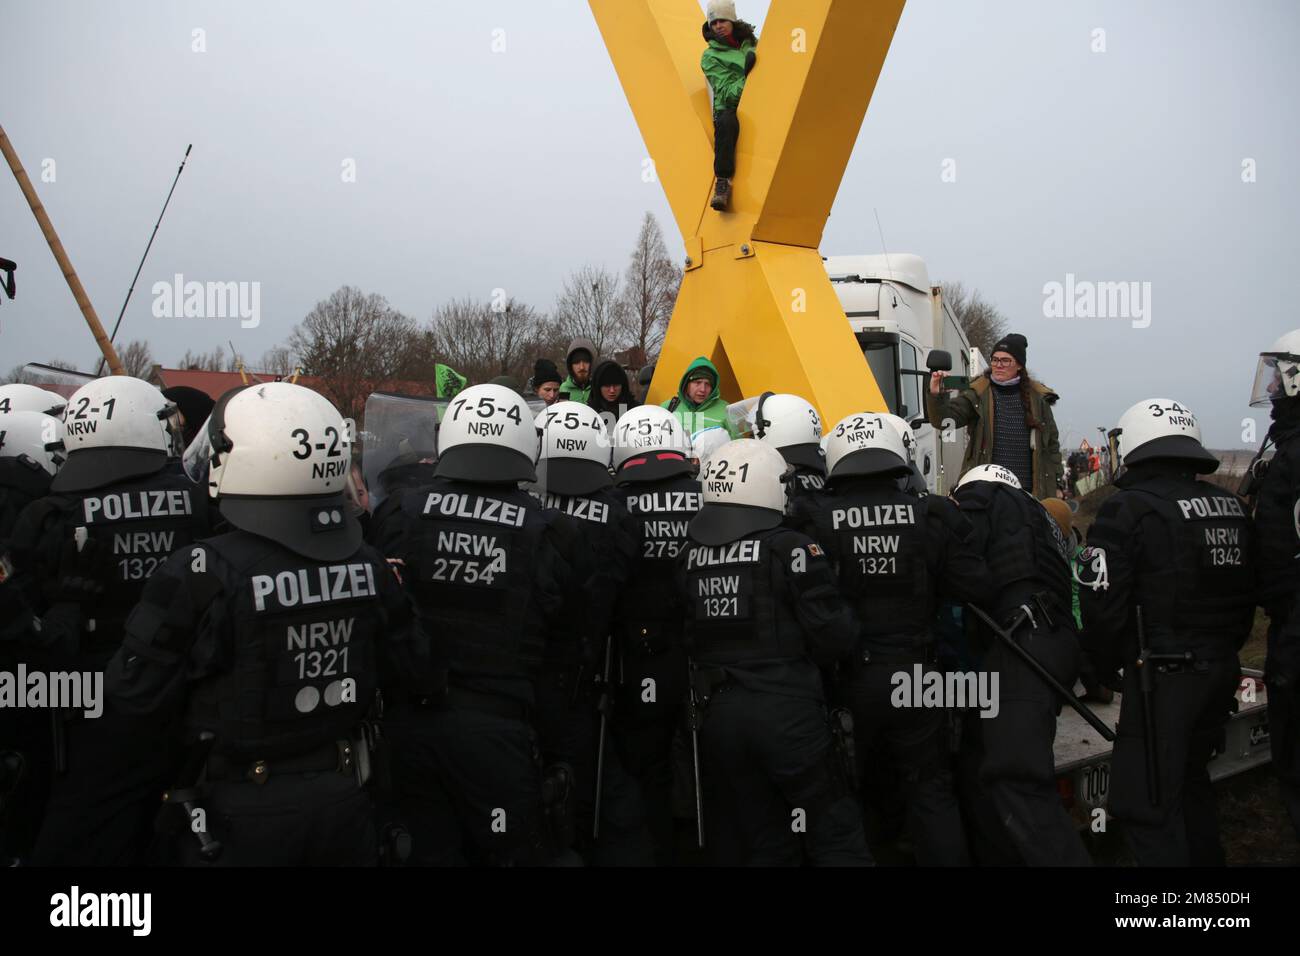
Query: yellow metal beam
point(755, 297)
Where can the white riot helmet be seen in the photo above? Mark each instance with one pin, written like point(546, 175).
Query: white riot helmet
point(992, 473)
point(865, 444)
point(792, 426)
point(650, 444)
point(280, 459)
point(1278, 374)
point(744, 492)
point(905, 433)
point(33, 439)
point(487, 434)
point(29, 398)
point(575, 450)
point(706, 441)
point(1163, 428)
point(116, 428)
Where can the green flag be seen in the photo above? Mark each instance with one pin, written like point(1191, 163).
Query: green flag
point(448, 381)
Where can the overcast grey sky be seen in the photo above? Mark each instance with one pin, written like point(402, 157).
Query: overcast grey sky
point(477, 170)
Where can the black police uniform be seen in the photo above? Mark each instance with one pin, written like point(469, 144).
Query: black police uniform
point(1007, 780)
point(896, 556)
point(277, 656)
point(1179, 549)
point(763, 613)
point(486, 570)
point(131, 526)
point(650, 669)
point(24, 734)
point(572, 691)
point(1278, 542)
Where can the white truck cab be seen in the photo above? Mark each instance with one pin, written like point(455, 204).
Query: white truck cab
point(898, 317)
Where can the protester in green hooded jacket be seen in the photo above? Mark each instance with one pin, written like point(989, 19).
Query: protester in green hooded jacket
point(726, 63)
point(579, 361)
point(698, 403)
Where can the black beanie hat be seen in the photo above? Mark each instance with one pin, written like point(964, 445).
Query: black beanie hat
point(1014, 345)
point(610, 373)
point(544, 371)
point(194, 404)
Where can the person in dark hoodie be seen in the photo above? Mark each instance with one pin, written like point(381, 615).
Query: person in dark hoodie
point(611, 393)
point(726, 63)
point(579, 362)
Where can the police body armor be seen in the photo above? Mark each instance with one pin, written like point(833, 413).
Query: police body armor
point(135, 525)
point(737, 606)
point(22, 481)
point(878, 543)
point(1276, 522)
point(663, 512)
point(609, 533)
point(1201, 597)
point(302, 636)
point(1028, 557)
point(469, 562)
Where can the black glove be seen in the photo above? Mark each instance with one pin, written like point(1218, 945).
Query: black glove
point(750, 57)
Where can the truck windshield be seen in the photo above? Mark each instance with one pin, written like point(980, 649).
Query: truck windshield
point(883, 360)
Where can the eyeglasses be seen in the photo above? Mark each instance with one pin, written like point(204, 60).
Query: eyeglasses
point(1001, 362)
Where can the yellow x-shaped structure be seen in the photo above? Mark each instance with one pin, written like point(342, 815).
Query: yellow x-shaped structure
point(755, 297)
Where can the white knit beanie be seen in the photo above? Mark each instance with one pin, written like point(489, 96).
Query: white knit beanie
point(722, 10)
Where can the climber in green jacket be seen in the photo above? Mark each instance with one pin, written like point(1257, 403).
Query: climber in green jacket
point(698, 403)
point(726, 62)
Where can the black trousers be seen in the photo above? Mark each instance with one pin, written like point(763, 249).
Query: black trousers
point(773, 795)
point(467, 784)
point(1008, 781)
point(1284, 717)
point(914, 740)
point(649, 704)
point(101, 811)
point(293, 819)
point(569, 729)
point(726, 131)
point(1192, 704)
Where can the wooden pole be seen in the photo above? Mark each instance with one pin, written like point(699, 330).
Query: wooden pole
point(61, 256)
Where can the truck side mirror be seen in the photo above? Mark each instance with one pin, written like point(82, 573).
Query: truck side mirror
point(938, 361)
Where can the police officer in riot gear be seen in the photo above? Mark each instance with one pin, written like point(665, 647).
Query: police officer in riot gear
point(896, 556)
point(1007, 784)
point(653, 478)
point(488, 571)
point(762, 612)
point(29, 398)
point(267, 644)
point(574, 702)
point(1168, 595)
point(792, 426)
point(1276, 494)
point(116, 509)
point(30, 456)
point(31, 452)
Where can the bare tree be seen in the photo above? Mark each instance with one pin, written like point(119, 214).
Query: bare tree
point(590, 306)
point(482, 342)
point(137, 360)
point(277, 360)
point(353, 343)
point(20, 375)
point(214, 361)
point(650, 287)
point(980, 319)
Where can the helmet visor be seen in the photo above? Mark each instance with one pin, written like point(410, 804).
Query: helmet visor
point(1276, 376)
